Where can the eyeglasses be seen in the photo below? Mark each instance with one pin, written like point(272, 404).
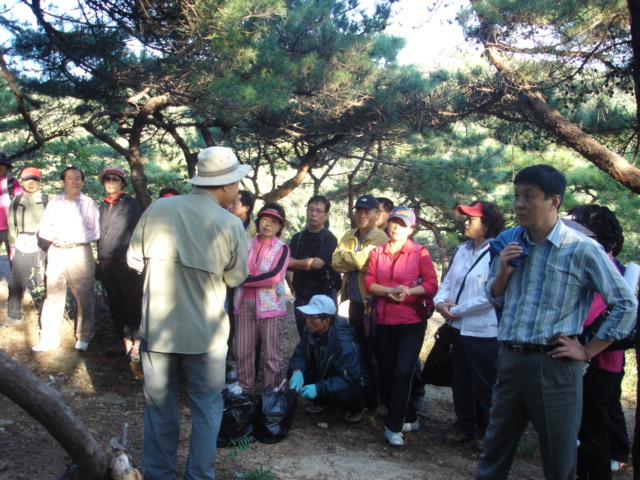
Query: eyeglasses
point(114, 178)
point(314, 210)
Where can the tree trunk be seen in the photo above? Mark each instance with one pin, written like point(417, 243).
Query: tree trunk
point(46, 405)
point(551, 120)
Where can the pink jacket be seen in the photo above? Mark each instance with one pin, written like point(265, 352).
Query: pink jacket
point(268, 261)
point(411, 263)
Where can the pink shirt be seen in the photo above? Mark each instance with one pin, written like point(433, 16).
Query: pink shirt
point(410, 263)
point(5, 199)
point(609, 361)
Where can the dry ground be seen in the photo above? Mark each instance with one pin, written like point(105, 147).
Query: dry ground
point(107, 392)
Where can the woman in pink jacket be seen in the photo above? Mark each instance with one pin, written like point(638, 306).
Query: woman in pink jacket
point(399, 273)
point(260, 305)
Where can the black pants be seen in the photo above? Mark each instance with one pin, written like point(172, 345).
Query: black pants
point(475, 368)
point(350, 398)
point(594, 452)
point(27, 271)
point(356, 320)
point(397, 348)
point(124, 294)
point(618, 436)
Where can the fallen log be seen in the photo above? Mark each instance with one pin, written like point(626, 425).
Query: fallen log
point(47, 406)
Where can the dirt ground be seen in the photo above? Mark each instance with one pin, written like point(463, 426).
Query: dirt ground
point(107, 392)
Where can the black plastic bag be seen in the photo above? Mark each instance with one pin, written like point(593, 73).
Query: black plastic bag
point(237, 417)
point(274, 415)
point(439, 364)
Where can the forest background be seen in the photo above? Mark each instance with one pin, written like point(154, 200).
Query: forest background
point(311, 94)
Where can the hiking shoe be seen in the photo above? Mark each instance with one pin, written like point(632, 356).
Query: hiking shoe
point(45, 345)
point(456, 438)
point(134, 353)
point(353, 417)
point(478, 445)
point(410, 427)
point(81, 346)
point(10, 322)
point(315, 408)
point(395, 439)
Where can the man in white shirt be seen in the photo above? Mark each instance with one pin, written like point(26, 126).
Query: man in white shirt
point(70, 222)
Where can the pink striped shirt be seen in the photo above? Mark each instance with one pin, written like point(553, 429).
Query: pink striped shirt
point(75, 221)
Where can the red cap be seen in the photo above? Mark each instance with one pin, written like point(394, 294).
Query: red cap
point(472, 211)
point(114, 171)
point(272, 213)
point(29, 173)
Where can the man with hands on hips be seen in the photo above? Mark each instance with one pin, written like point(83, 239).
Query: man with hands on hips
point(544, 283)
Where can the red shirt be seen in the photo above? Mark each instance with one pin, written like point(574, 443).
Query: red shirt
point(410, 263)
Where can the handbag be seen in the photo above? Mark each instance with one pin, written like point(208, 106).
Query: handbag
point(439, 364)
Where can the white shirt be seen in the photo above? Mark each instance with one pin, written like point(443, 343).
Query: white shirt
point(76, 221)
point(478, 316)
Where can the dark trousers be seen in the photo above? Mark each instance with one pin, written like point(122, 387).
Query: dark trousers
point(618, 436)
point(27, 271)
point(594, 452)
point(124, 294)
point(475, 368)
point(350, 398)
point(356, 320)
point(545, 391)
point(397, 348)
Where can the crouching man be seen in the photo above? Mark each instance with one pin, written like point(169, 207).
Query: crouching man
point(326, 364)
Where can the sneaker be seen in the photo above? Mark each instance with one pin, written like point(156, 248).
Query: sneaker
point(45, 346)
point(395, 439)
point(315, 409)
point(81, 346)
point(353, 417)
point(456, 438)
point(410, 427)
point(10, 322)
point(134, 353)
point(616, 466)
point(117, 349)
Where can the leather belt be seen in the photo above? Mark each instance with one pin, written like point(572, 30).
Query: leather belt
point(528, 348)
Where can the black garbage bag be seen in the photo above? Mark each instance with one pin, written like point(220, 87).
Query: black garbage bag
point(439, 364)
point(274, 415)
point(237, 417)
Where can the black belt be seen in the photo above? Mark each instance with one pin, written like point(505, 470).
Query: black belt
point(528, 348)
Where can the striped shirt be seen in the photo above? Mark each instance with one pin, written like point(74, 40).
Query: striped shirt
point(550, 293)
point(74, 221)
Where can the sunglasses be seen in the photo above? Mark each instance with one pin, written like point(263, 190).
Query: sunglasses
point(110, 178)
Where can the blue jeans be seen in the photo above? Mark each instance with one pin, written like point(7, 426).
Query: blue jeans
point(204, 380)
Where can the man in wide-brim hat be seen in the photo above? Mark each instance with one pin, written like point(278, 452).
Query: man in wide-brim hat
point(190, 249)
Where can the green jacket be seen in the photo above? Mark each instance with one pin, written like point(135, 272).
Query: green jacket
point(346, 260)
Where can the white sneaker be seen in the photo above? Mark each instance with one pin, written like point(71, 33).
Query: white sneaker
point(45, 346)
point(81, 346)
point(395, 439)
point(411, 427)
point(616, 466)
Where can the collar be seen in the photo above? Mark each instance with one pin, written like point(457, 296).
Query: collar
point(115, 200)
point(269, 241)
point(554, 236)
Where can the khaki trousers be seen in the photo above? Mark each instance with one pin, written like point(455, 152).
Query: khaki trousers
point(74, 267)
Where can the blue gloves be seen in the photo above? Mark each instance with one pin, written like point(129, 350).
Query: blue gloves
point(297, 381)
point(309, 391)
